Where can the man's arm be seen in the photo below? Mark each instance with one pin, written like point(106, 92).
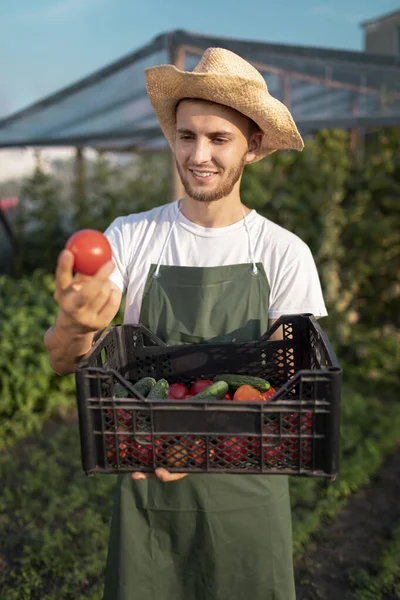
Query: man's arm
point(278, 334)
point(87, 306)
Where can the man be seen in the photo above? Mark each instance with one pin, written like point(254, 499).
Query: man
point(202, 268)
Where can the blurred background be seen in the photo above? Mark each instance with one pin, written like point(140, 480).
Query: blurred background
point(80, 145)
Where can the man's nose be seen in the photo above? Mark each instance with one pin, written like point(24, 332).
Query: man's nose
point(201, 152)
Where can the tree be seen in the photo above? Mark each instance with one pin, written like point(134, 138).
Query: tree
point(40, 224)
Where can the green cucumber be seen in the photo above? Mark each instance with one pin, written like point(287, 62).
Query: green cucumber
point(120, 391)
point(235, 381)
point(144, 385)
point(159, 391)
point(215, 391)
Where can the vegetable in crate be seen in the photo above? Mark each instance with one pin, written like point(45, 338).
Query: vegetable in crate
point(247, 392)
point(144, 385)
point(159, 391)
point(216, 390)
point(199, 386)
point(235, 381)
point(175, 454)
point(268, 394)
point(120, 391)
point(177, 391)
point(128, 449)
point(184, 451)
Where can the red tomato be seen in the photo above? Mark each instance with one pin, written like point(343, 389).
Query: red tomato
point(178, 391)
point(234, 448)
point(267, 395)
point(124, 419)
point(91, 249)
point(199, 386)
point(273, 455)
point(198, 452)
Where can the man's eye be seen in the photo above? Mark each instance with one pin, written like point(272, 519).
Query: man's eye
point(186, 137)
point(220, 140)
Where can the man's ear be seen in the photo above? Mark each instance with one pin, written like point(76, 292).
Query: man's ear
point(254, 146)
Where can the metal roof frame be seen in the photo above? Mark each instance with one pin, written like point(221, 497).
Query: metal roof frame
point(110, 108)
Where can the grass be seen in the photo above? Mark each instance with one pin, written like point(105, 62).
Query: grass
point(384, 580)
point(369, 432)
point(54, 522)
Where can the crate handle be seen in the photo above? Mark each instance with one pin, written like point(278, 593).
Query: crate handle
point(152, 336)
point(282, 320)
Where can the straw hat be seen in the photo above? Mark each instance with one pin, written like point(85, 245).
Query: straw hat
point(225, 78)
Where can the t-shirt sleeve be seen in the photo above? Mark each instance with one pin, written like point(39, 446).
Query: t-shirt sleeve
point(297, 288)
point(115, 235)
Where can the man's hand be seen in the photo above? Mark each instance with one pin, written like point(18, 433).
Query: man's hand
point(87, 303)
point(162, 474)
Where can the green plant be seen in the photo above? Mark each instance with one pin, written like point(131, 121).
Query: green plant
point(39, 224)
point(115, 190)
point(369, 431)
point(30, 390)
point(373, 585)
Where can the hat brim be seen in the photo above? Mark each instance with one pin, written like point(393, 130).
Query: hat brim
point(166, 86)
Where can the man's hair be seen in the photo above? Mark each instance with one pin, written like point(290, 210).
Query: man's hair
point(253, 127)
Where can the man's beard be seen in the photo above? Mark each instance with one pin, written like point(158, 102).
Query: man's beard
point(219, 192)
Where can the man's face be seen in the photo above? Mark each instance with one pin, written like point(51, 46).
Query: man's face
point(212, 148)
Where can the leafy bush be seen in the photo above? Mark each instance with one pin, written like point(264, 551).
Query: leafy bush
point(368, 433)
point(29, 389)
point(347, 213)
point(40, 225)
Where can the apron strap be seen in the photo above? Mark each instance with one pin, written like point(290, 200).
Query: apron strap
point(156, 273)
point(254, 269)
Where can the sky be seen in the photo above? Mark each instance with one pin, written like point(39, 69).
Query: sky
point(46, 45)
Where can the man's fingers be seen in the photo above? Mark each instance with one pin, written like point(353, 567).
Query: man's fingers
point(101, 298)
point(111, 307)
point(105, 271)
point(162, 474)
point(166, 476)
point(89, 288)
point(64, 270)
point(80, 278)
point(138, 475)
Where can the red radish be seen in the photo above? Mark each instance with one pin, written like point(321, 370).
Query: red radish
point(199, 386)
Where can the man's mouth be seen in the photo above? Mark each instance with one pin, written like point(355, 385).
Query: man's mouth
point(202, 175)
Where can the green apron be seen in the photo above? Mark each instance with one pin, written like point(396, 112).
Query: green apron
point(206, 536)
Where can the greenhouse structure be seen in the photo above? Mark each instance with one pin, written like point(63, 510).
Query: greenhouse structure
point(110, 110)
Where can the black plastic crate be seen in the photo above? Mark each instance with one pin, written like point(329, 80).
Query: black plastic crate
point(294, 433)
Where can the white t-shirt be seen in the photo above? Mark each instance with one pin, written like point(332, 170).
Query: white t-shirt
point(137, 242)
